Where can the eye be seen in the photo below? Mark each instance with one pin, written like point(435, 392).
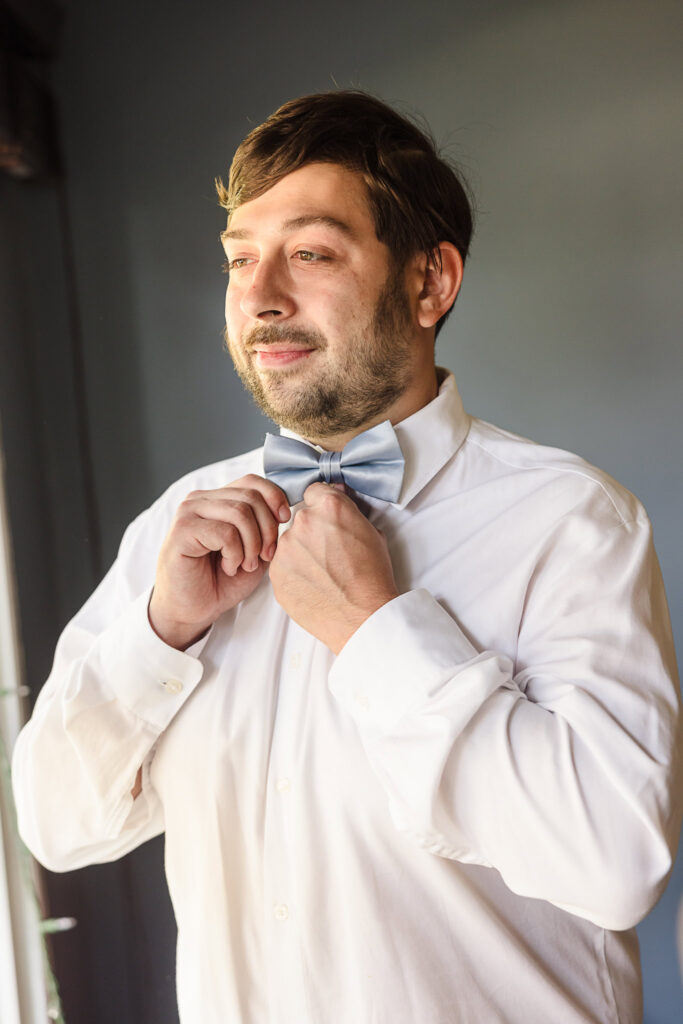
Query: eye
point(306, 256)
point(239, 261)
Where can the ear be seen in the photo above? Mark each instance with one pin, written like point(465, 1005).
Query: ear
point(442, 277)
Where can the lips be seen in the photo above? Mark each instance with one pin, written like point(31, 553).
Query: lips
point(272, 356)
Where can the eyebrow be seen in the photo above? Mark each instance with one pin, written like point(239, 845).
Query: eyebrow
point(294, 224)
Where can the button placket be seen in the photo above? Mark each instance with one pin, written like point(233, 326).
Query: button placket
point(283, 940)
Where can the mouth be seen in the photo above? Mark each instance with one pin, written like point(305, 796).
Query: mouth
point(268, 357)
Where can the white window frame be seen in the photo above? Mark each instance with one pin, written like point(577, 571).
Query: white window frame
point(23, 967)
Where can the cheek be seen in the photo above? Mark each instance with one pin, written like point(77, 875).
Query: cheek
point(233, 312)
point(230, 298)
point(339, 311)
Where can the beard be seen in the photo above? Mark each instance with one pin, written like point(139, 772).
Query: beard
point(372, 374)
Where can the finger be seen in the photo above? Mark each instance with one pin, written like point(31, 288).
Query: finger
point(249, 512)
point(268, 527)
point(320, 493)
point(212, 535)
point(274, 497)
point(234, 513)
point(330, 502)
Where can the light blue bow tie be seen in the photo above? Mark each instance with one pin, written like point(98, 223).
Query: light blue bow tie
point(371, 463)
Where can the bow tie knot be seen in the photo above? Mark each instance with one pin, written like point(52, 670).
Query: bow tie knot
point(371, 463)
point(330, 467)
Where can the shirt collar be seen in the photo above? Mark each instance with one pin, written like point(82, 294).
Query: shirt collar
point(428, 438)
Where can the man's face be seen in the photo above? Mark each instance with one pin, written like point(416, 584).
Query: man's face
point(318, 322)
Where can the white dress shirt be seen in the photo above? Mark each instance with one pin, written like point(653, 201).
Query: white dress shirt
point(458, 819)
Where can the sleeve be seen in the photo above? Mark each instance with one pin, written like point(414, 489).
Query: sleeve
point(559, 769)
point(114, 687)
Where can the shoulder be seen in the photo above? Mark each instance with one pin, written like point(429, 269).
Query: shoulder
point(560, 479)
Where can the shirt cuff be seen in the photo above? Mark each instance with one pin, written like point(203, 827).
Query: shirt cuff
point(399, 659)
point(150, 678)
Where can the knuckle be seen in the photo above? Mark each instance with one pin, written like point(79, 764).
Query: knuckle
point(254, 498)
point(183, 518)
point(249, 482)
point(242, 508)
point(313, 489)
point(231, 543)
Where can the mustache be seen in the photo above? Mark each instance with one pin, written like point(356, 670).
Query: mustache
point(270, 334)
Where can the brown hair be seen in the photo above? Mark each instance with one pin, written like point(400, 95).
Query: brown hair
point(417, 197)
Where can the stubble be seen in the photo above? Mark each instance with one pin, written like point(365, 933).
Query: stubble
point(373, 374)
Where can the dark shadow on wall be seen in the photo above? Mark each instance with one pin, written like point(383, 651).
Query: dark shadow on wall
point(118, 963)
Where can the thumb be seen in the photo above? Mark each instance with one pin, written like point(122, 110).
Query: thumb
point(314, 493)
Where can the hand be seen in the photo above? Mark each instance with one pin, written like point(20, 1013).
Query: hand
point(332, 568)
point(214, 555)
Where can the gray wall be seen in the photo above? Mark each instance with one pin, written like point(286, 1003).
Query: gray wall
point(566, 116)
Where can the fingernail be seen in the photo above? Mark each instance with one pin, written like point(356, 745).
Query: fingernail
point(269, 552)
point(283, 513)
point(252, 566)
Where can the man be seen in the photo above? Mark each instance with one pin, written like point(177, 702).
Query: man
point(413, 744)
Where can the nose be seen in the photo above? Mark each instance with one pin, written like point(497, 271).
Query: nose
point(268, 295)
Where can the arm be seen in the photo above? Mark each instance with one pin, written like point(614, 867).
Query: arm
point(560, 769)
point(96, 722)
point(81, 765)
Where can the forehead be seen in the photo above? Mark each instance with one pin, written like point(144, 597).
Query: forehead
point(326, 191)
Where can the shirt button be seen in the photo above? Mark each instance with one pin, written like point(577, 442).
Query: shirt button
point(280, 911)
point(295, 661)
point(173, 685)
point(283, 785)
point(362, 701)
